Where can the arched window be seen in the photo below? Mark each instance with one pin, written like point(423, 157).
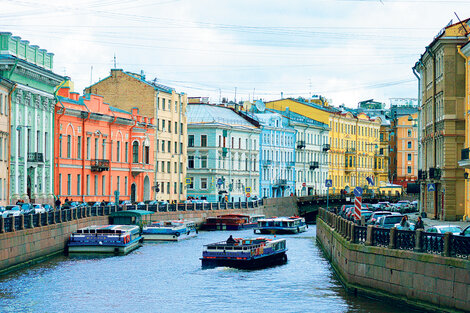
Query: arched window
point(135, 152)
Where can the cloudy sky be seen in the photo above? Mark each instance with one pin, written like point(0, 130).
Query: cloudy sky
point(345, 50)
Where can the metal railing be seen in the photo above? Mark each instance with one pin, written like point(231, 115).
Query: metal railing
point(37, 157)
point(418, 241)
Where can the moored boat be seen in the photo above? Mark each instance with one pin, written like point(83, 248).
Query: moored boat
point(169, 230)
point(245, 253)
point(117, 239)
point(281, 225)
point(231, 222)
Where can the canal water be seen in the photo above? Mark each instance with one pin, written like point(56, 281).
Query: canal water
point(167, 277)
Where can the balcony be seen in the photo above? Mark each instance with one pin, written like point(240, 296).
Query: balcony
point(326, 147)
point(290, 164)
point(137, 168)
point(99, 165)
point(267, 162)
point(313, 166)
point(464, 158)
point(280, 182)
point(301, 144)
point(350, 151)
point(35, 157)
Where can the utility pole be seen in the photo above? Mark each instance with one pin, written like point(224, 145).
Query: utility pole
point(235, 95)
point(91, 75)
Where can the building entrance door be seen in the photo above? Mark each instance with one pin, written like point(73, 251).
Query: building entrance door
point(28, 187)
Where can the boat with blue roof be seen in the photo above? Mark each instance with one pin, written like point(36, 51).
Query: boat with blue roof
point(248, 253)
point(281, 225)
point(116, 239)
point(169, 230)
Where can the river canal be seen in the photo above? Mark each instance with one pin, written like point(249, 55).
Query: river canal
point(167, 277)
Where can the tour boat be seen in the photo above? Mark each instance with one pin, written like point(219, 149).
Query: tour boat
point(281, 225)
point(169, 230)
point(117, 239)
point(245, 253)
point(231, 222)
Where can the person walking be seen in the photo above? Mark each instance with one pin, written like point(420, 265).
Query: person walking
point(404, 224)
point(419, 223)
point(57, 203)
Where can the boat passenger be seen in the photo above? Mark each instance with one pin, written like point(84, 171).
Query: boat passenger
point(230, 240)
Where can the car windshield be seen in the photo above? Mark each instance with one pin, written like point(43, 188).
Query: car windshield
point(392, 219)
point(450, 229)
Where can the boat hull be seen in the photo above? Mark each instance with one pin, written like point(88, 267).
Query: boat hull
point(104, 249)
point(222, 226)
point(253, 263)
point(167, 237)
point(280, 230)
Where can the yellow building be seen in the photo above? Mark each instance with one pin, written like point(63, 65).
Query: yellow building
point(355, 151)
point(126, 90)
point(303, 107)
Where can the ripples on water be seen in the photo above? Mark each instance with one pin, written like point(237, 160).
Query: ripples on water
point(167, 277)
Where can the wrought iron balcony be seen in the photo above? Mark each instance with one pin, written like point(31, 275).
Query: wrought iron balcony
point(313, 165)
point(326, 147)
point(280, 182)
point(99, 165)
point(267, 162)
point(350, 151)
point(464, 158)
point(36, 157)
point(290, 164)
point(301, 144)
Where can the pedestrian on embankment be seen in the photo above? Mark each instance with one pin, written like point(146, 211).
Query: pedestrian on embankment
point(419, 223)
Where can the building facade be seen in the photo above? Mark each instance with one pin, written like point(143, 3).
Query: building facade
point(101, 150)
point(442, 124)
point(126, 90)
point(31, 118)
point(355, 148)
point(404, 150)
point(223, 154)
point(6, 88)
point(277, 157)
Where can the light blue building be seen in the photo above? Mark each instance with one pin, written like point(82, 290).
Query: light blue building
point(223, 154)
point(277, 153)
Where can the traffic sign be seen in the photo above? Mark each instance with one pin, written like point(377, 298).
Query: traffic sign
point(328, 183)
point(431, 187)
point(248, 195)
point(357, 207)
point(358, 191)
point(220, 181)
point(304, 184)
point(188, 181)
point(370, 180)
point(248, 189)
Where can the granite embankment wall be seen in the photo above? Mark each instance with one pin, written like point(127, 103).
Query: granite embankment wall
point(31, 244)
point(428, 281)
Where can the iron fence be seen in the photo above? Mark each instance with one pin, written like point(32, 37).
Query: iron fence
point(360, 234)
point(405, 239)
point(432, 243)
point(460, 247)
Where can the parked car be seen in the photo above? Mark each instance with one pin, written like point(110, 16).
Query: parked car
point(48, 207)
point(366, 214)
point(466, 232)
point(388, 221)
point(12, 210)
point(375, 216)
point(27, 208)
point(38, 208)
point(125, 202)
point(342, 210)
point(398, 226)
point(141, 206)
point(442, 229)
point(95, 204)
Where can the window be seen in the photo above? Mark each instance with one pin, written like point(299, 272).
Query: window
point(79, 178)
point(169, 126)
point(126, 152)
point(1, 149)
point(96, 148)
point(96, 185)
point(409, 156)
point(163, 125)
point(88, 185)
point(168, 187)
point(79, 147)
point(169, 146)
point(118, 151)
point(175, 188)
point(176, 148)
point(176, 168)
point(409, 132)
point(125, 185)
point(69, 184)
point(203, 140)
point(60, 145)
point(135, 152)
point(409, 144)
point(181, 148)
point(119, 184)
point(204, 161)
point(163, 166)
point(190, 161)
point(168, 167)
point(163, 145)
point(147, 154)
point(176, 127)
point(203, 183)
point(181, 167)
point(104, 149)
point(409, 169)
point(190, 140)
point(191, 183)
point(88, 147)
point(69, 147)
point(103, 185)
point(163, 188)
point(181, 128)
point(163, 104)
point(46, 141)
point(60, 184)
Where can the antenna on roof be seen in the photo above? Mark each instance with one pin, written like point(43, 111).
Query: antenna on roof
point(91, 75)
point(463, 25)
point(114, 60)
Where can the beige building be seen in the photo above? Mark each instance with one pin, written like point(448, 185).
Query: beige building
point(126, 90)
point(442, 124)
point(6, 87)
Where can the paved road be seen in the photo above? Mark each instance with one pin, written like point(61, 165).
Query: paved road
point(430, 222)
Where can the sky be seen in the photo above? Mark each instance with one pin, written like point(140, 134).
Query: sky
point(345, 50)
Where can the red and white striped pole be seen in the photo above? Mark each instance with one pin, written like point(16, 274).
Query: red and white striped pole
point(357, 208)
